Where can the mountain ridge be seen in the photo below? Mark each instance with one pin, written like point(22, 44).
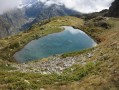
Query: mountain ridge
point(114, 9)
point(26, 16)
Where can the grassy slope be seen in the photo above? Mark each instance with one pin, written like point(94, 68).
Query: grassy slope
point(102, 75)
point(12, 44)
point(106, 76)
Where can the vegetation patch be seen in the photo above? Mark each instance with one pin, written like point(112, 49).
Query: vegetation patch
point(72, 54)
point(12, 44)
point(18, 80)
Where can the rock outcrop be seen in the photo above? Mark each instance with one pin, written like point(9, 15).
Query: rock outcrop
point(114, 9)
point(11, 22)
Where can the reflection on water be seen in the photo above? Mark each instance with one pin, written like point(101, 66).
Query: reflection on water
point(68, 40)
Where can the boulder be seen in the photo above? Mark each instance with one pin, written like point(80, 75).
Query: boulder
point(114, 9)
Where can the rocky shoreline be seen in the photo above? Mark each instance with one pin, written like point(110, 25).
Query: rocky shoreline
point(53, 64)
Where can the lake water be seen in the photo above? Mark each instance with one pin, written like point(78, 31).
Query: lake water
point(69, 40)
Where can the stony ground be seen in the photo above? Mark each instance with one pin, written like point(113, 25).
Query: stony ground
point(36, 74)
point(54, 64)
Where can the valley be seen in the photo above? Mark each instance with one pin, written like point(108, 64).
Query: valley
point(94, 60)
point(94, 68)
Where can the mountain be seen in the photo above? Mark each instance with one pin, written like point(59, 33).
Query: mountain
point(33, 8)
point(4, 26)
point(114, 9)
point(11, 22)
point(55, 10)
point(44, 12)
point(96, 68)
point(28, 13)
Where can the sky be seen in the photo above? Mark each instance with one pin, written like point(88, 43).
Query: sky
point(6, 5)
point(85, 6)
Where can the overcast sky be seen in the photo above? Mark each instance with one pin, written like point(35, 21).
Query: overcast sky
point(85, 6)
point(8, 4)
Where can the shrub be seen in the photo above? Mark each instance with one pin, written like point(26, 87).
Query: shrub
point(14, 45)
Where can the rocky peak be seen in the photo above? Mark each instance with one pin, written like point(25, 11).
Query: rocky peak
point(114, 9)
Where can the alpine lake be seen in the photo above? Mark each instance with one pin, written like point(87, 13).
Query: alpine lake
point(69, 40)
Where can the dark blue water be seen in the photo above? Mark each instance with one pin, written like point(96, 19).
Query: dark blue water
point(68, 40)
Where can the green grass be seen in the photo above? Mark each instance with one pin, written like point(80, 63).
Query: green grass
point(12, 44)
point(101, 74)
point(6, 67)
point(77, 53)
point(23, 81)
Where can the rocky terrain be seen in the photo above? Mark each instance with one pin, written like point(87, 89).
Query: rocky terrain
point(20, 19)
point(89, 69)
point(54, 63)
point(92, 69)
point(114, 9)
point(11, 22)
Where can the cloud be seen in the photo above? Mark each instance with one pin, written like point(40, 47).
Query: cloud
point(6, 5)
point(84, 6)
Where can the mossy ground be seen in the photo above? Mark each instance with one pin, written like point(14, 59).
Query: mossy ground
point(101, 72)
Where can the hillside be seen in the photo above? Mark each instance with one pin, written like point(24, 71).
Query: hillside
point(93, 69)
point(13, 43)
point(11, 22)
point(113, 10)
point(20, 19)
